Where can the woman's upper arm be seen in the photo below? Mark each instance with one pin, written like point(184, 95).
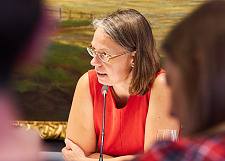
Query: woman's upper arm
point(80, 128)
point(158, 116)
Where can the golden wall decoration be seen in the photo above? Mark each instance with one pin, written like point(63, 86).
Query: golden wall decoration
point(55, 130)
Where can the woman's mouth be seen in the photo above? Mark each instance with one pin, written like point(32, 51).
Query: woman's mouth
point(100, 74)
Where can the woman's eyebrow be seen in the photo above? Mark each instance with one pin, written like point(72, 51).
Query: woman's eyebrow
point(102, 49)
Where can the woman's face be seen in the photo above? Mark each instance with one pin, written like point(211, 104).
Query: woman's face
point(117, 70)
point(179, 101)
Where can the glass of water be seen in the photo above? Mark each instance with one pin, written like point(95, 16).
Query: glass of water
point(167, 134)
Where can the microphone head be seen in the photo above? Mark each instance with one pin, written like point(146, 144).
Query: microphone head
point(104, 89)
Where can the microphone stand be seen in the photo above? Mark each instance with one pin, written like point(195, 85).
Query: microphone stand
point(104, 93)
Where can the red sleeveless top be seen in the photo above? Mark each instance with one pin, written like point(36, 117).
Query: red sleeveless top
point(124, 127)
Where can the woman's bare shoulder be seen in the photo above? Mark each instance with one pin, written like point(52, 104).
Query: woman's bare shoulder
point(83, 80)
point(160, 81)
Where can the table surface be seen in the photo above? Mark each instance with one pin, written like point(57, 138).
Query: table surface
point(53, 145)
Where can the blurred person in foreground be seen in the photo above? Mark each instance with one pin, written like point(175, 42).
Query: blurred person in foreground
point(195, 51)
point(23, 29)
point(137, 103)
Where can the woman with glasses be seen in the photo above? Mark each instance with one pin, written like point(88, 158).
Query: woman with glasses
point(126, 60)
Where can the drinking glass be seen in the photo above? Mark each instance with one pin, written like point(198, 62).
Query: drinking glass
point(167, 134)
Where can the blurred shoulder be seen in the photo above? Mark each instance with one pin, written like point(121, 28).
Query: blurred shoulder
point(160, 80)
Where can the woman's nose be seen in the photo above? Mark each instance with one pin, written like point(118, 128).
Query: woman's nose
point(96, 61)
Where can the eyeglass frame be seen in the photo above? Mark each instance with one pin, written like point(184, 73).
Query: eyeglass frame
point(91, 49)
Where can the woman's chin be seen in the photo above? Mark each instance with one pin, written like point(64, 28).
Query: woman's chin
point(102, 81)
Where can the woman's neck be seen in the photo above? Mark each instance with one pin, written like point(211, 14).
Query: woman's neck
point(121, 95)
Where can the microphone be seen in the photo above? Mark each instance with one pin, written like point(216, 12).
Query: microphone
point(104, 92)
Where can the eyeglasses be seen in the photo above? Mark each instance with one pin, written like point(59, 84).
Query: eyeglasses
point(102, 56)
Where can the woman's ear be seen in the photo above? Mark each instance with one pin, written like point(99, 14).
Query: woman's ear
point(132, 58)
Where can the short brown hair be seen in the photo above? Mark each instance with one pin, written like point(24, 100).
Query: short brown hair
point(197, 47)
point(132, 31)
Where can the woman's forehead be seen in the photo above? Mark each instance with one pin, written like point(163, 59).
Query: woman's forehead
point(102, 41)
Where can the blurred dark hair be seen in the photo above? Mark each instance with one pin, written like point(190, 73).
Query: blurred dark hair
point(197, 47)
point(18, 19)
